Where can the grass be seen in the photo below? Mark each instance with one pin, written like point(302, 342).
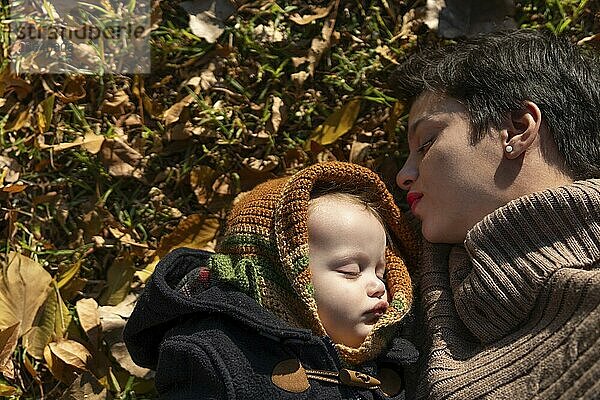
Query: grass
point(73, 197)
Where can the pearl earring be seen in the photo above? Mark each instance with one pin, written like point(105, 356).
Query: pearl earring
point(509, 149)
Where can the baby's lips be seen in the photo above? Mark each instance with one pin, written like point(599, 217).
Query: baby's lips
point(380, 308)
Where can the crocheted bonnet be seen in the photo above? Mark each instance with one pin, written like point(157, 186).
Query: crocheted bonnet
point(265, 253)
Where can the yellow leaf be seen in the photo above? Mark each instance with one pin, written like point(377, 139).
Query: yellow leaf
point(7, 390)
point(50, 324)
point(336, 125)
point(119, 278)
point(69, 274)
point(91, 142)
point(24, 287)
point(44, 114)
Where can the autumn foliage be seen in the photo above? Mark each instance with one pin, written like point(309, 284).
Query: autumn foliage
point(102, 175)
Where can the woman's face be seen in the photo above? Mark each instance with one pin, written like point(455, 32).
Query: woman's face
point(451, 184)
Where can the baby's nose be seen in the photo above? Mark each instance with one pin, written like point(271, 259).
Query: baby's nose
point(376, 288)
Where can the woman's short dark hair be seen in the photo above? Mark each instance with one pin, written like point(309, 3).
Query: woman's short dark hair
point(493, 75)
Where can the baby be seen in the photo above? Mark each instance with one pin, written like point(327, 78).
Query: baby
point(302, 299)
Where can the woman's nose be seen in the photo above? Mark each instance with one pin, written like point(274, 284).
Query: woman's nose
point(407, 175)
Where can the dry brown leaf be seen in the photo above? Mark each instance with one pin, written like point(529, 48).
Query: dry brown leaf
point(172, 114)
point(74, 89)
point(458, 18)
point(321, 44)
point(336, 125)
point(24, 287)
point(9, 170)
point(66, 359)
point(10, 83)
point(205, 81)
point(315, 14)
point(89, 318)
point(358, 152)
point(91, 142)
point(201, 178)
point(20, 117)
point(85, 387)
point(222, 185)
point(594, 39)
point(113, 319)
point(116, 103)
point(8, 343)
point(50, 323)
point(121, 159)
point(207, 16)
point(125, 238)
point(196, 232)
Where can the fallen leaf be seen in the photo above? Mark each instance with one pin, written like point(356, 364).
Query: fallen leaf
point(44, 114)
point(116, 103)
point(458, 18)
point(336, 125)
point(7, 390)
point(171, 115)
point(113, 320)
point(66, 359)
point(20, 117)
point(91, 142)
point(9, 170)
point(73, 90)
point(316, 13)
point(201, 178)
point(207, 17)
point(85, 387)
point(195, 231)
point(320, 45)
point(8, 343)
point(120, 159)
point(12, 83)
point(594, 39)
point(222, 185)
point(205, 81)
point(70, 273)
point(24, 287)
point(14, 188)
point(119, 280)
point(89, 318)
point(50, 323)
point(358, 152)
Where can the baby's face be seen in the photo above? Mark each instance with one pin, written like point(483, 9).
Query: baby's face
point(347, 262)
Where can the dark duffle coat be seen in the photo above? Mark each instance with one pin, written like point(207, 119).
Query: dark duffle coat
point(221, 344)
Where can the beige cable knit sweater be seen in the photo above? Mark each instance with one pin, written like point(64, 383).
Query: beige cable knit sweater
point(515, 312)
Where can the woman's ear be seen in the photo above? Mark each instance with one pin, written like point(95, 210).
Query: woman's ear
point(521, 129)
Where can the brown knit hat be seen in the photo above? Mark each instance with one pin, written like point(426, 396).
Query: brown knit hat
point(265, 252)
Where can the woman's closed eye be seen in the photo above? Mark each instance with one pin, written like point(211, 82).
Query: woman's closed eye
point(422, 149)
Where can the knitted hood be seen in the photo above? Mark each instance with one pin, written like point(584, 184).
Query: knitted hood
point(265, 252)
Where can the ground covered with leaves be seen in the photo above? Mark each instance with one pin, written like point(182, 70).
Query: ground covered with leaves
point(100, 176)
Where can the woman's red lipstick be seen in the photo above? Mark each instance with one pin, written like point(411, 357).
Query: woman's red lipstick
point(412, 199)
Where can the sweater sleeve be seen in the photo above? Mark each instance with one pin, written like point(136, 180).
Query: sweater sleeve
point(188, 370)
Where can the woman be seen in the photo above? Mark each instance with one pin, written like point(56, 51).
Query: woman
point(504, 140)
